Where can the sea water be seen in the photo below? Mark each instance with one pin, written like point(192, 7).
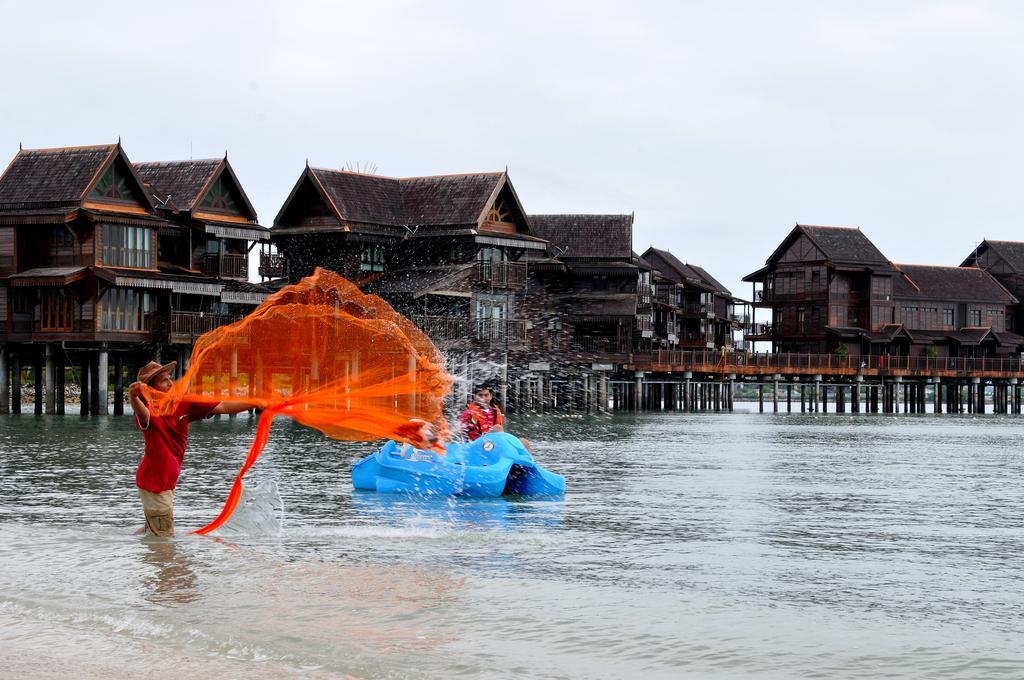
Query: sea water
point(706, 546)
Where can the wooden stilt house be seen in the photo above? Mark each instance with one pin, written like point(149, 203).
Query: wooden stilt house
point(94, 266)
point(447, 251)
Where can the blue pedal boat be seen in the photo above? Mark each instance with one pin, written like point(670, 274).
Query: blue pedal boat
point(493, 465)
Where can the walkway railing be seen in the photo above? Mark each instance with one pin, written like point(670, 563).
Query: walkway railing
point(828, 364)
point(194, 324)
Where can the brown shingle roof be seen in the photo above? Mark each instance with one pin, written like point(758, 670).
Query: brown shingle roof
point(680, 271)
point(607, 237)
point(177, 183)
point(844, 244)
point(445, 200)
point(1011, 251)
point(962, 284)
point(51, 177)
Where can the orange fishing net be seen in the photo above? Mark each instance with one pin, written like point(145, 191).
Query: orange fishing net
point(326, 355)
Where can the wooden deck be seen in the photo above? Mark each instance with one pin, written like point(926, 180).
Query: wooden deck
point(829, 366)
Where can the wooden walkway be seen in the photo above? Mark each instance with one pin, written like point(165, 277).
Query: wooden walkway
point(828, 366)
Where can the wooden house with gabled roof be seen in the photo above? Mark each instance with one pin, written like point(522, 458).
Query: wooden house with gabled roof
point(1005, 261)
point(94, 259)
point(212, 227)
point(958, 311)
point(598, 292)
point(831, 289)
point(448, 251)
point(693, 310)
point(824, 286)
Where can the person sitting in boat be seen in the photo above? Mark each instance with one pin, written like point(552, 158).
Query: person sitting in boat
point(481, 415)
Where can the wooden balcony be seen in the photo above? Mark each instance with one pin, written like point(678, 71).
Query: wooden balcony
point(826, 365)
point(759, 331)
point(272, 265)
point(187, 326)
point(226, 265)
point(486, 331)
point(666, 295)
point(697, 309)
point(601, 344)
point(505, 275)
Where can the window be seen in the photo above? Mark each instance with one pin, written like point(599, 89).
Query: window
point(815, 278)
point(57, 310)
point(974, 317)
point(492, 254)
point(125, 309)
point(490, 317)
point(371, 259)
point(125, 246)
point(23, 301)
point(800, 319)
point(600, 283)
point(947, 317)
point(852, 317)
point(60, 237)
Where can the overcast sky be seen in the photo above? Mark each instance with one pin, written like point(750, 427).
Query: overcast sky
point(719, 127)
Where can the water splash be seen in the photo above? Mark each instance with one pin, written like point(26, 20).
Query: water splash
point(259, 513)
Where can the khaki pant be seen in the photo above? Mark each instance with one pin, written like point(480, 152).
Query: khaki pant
point(159, 509)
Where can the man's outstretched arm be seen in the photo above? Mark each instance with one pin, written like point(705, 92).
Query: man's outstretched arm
point(231, 407)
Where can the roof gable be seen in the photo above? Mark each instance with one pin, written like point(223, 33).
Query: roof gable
point(41, 178)
point(206, 185)
point(178, 184)
point(307, 206)
point(118, 184)
point(604, 237)
point(1010, 252)
point(845, 245)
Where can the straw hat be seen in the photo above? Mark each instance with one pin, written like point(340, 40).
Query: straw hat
point(153, 369)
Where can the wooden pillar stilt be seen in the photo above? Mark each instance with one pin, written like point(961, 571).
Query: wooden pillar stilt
point(37, 379)
point(94, 386)
point(119, 384)
point(50, 380)
point(59, 380)
point(5, 382)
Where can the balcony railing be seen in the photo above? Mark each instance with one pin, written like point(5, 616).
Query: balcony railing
point(512, 331)
point(700, 308)
point(272, 265)
point(226, 265)
point(789, 363)
point(602, 344)
point(772, 295)
point(759, 330)
point(511, 275)
point(740, 319)
point(194, 324)
point(666, 295)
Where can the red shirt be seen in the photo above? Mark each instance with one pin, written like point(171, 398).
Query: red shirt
point(166, 438)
